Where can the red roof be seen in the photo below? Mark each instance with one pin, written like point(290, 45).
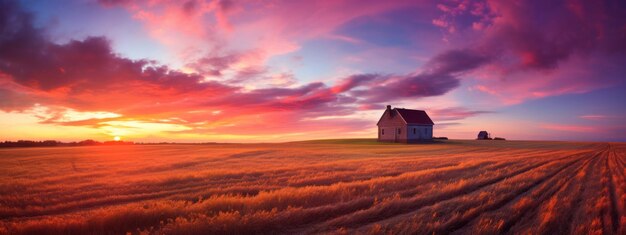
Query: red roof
point(416, 117)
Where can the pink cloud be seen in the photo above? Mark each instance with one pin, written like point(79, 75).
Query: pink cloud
point(197, 28)
point(454, 113)
point(530, 56)
point(440, 23)
point(596, 117)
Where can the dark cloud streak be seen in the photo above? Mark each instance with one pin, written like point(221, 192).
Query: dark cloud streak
point(439, 77)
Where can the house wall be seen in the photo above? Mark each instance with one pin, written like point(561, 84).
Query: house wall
point(391, 134)
point(391, 124)
point(419, 133)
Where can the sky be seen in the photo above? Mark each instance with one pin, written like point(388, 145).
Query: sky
point(272, 71)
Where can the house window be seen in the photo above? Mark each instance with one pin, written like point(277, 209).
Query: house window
point(399, 131)
point(414, 131)
point(383, 131)
point(425, 132)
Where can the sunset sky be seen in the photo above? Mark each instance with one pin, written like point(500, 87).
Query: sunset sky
point(267, 71)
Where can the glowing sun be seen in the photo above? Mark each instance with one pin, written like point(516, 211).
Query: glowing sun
point(117, 138)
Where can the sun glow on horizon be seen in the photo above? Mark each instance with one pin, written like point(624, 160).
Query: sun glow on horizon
point(117, 138)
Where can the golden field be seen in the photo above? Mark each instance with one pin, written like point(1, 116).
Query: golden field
point(331, 186)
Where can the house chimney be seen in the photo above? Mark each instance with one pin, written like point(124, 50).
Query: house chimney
point(391, 114)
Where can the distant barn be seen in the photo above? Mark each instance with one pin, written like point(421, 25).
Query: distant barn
point(483, 135)
point(404, 125)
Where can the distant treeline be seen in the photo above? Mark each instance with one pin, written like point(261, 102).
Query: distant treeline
point(54, 143)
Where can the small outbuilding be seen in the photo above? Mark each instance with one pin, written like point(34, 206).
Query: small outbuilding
point(483, 135)
point(405, 126)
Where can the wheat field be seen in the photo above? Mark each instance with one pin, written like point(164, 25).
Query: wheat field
point(332, 186)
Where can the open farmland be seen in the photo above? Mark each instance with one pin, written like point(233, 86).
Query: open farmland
point(344, 186)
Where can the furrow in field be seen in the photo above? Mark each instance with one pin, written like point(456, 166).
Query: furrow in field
point(620, 190)
point(321, 195)
point(423, 188)
point(619, 164)
point(195, 181)
point(611, 191)
point(456, 213)
point(587, 217)
point(469, 203)
point(166, 184)
point(547, 216)
point(519, 163)
point(539, 190)
point(293, 216)
point(309, 202)
point(90, 199)
point(450, 177)
point(91, 202)
point(399, 207)
point(291, 198)
point(622, 158)
point(90, 191)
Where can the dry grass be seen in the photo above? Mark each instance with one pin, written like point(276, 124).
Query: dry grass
point(471, 187)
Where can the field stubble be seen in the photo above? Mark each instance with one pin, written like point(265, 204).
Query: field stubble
point(460, 187)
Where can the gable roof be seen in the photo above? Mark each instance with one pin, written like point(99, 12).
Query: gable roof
point(409, 116)
point(415, 117)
